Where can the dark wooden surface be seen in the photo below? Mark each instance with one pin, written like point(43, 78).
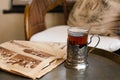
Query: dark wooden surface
point(117, 52)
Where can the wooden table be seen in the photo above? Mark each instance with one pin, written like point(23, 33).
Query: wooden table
point(103, 65)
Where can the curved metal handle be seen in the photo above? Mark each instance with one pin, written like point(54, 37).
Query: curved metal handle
point(95, 45)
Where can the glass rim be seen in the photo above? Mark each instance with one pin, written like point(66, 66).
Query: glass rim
point(77, 29)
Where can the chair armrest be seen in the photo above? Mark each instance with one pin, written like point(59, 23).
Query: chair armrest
point(35, 15)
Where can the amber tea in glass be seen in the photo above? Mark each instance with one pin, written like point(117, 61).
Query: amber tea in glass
point(77, 48)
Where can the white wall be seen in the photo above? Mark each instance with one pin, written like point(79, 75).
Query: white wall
point(11, 27)
point(5, 4)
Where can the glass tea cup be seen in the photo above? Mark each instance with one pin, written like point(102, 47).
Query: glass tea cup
point(77, 48)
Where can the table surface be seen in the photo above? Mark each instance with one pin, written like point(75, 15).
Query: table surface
point(103, 65)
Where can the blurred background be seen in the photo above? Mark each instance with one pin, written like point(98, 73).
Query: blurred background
point(12, 19)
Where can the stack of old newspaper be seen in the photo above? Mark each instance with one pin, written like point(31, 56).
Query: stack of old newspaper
point(31, 59)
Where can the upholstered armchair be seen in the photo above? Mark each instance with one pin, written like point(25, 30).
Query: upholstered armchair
point(36, 30)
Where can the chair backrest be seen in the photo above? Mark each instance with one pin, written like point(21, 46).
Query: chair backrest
point(36, 11)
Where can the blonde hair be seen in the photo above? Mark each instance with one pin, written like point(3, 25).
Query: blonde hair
point(101, 15)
